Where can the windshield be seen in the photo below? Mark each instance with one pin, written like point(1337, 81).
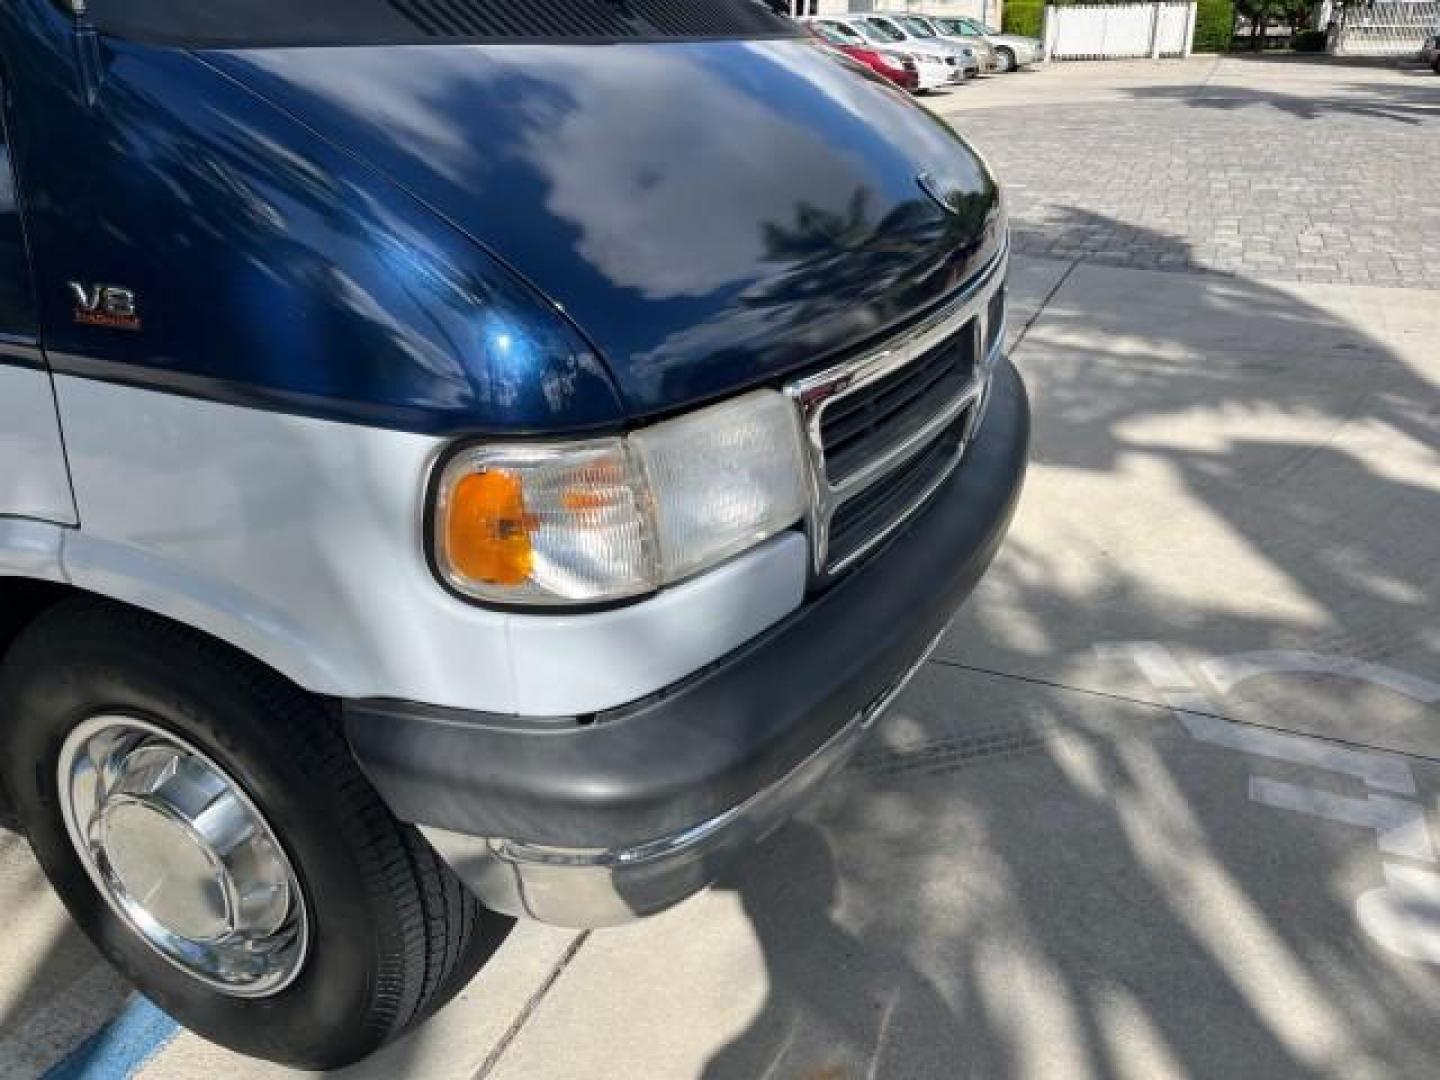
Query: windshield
point(832, 34)
point(978, 28)
point(840, 33)
point(953, 27)
point(882, 30)
point(918, 27)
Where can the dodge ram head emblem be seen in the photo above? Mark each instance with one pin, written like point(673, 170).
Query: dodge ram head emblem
point(105, 305)
point(929, 185)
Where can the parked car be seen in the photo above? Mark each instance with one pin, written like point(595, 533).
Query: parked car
point(401, 513)
point(1012, 50)
point(922, 27)
point(936, 70)
point(1430, 53)
point(916, 73)
point(882, 31)
point(894, 24)
point(900, 71)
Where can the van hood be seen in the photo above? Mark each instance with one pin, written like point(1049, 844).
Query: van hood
point(712, 215)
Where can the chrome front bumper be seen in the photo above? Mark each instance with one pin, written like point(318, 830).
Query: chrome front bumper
point(580, 887)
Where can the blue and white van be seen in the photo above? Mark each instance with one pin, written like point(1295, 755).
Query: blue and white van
point(461, 457)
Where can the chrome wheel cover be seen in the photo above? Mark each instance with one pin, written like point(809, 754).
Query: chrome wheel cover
point(183, 856)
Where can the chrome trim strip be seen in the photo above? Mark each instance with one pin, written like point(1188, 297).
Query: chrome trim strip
point(813, 394)
point(587, 887)
point(876, 708)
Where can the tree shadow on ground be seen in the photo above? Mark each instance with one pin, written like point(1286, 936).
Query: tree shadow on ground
point(1324, 60)
point(1072, 232)
point(1404, 103)
point(1025, 879)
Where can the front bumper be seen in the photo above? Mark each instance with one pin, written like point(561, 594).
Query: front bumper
point(597, 820)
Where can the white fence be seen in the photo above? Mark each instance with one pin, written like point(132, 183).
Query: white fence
point(1118, 31)
point(1385, 27)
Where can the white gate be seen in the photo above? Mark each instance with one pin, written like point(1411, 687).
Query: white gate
point(1386, 27)
point(1118, 31)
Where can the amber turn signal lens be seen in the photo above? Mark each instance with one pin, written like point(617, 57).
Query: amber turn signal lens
point(487, 531)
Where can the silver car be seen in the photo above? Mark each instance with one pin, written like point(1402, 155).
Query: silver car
point(1012, 50)
point(888, 30)
point(922, 26)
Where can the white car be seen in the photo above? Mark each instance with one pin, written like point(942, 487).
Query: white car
point(932, 71)
point(885, 31)
point(1013, 50)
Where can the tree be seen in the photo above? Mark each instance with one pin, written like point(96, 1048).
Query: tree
point(1261, 13)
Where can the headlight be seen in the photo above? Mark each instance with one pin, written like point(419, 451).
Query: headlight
point(603, 519)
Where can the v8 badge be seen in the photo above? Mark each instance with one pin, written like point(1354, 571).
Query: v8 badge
point(105, 305)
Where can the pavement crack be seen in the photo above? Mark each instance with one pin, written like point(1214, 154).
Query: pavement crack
point(1170, 709)
point(1198, 90)
point(492, 1059)
point(1045, 303)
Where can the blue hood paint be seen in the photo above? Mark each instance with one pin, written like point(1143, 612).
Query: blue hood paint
point(518, 238)
point(271, 269)
point(710, 214)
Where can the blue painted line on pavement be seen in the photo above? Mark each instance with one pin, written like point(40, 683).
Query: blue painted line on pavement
point(121, 1048)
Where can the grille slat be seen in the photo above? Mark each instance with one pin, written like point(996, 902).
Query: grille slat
point(872, 420)
point(872, 511)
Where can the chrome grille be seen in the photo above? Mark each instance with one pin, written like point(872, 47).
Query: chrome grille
point(868, 514)
point(995, 319)
point(902, 413)
point(862, 426)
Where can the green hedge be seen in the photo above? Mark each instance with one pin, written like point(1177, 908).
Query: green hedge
point(1024, 17)
point(1214, 23)
point(1309, 41)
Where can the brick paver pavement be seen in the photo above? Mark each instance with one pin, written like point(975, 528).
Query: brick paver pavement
point(1333, 177)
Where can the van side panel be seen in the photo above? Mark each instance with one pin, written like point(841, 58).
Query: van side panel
point(31, 549)
point(33, 481)
point(297, 540)
point(301, 541)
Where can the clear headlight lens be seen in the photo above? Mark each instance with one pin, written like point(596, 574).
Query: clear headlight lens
point(603, 519)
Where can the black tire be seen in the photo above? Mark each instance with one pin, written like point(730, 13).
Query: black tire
point(1007, 59)
point(393, 933)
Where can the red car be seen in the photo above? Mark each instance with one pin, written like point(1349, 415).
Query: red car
point(901, 72)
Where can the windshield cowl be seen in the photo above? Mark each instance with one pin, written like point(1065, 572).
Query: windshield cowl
point(275, 23)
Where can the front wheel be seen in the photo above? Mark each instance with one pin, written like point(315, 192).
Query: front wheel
point(207, 827)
